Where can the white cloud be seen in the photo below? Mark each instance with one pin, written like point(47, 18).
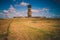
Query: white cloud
point(12, 9)
point(44, 12)
point(36, 11)
point(5, 11)
point(39, 10)
point(24, 4)
point(11, 12)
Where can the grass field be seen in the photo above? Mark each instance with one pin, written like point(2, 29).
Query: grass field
point(30, 29)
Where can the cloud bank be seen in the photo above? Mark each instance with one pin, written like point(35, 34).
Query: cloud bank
point(11, 12)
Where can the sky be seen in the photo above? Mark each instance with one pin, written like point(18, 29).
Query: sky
point(42, 8)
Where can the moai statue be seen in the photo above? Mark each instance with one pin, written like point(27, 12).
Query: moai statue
point(29, 11)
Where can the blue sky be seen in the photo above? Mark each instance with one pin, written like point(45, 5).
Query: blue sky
point(47, 8)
